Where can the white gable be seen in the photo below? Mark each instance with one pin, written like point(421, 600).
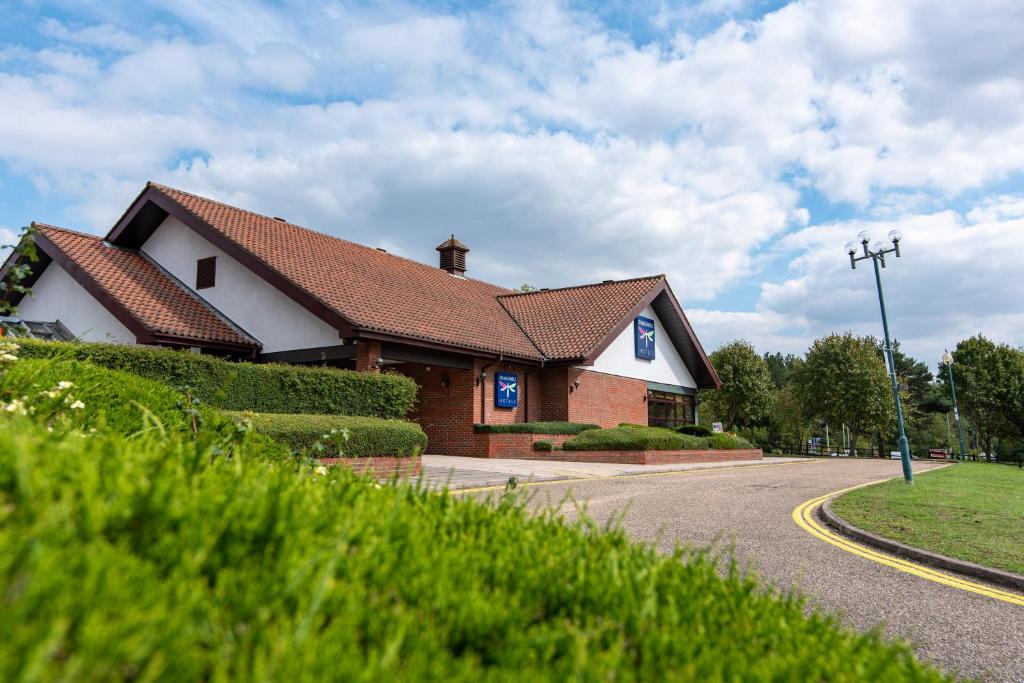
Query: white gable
point(666, 368)
point(56, 296)
point(248, 300)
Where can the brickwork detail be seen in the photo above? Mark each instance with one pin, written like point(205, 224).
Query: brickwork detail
point(606, 400)
point(367, 353)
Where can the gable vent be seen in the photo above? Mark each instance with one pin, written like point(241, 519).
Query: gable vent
point(206, 272)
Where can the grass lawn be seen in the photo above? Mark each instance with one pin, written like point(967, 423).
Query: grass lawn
point(971, 511)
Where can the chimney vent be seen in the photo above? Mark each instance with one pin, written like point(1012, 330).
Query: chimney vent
point(453, 256)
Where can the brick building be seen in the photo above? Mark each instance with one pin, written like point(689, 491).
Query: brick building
point(185, 271)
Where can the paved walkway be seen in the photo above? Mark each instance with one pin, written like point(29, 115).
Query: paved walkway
point(460, 473)
point(751, 509)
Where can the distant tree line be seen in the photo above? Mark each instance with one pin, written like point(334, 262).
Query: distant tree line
point(839, 391)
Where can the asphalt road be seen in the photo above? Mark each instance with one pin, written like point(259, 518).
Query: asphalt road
point(750, 509)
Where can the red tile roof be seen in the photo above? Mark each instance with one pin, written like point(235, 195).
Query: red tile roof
point(572, 322)
point(374, 290)
point(141, 289)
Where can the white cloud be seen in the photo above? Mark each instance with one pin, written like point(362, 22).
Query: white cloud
point(560, 150)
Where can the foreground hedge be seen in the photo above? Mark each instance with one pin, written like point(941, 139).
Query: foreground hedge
point(637, 438)
point(534, 428)
point(268, 388)
point(366, 435)
point(161, 561)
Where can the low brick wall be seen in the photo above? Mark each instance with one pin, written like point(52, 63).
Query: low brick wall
point(648, 457)
point(381, 467)
point(516, 445)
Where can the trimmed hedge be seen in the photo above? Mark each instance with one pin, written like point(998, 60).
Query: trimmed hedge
point(695, 430)
point(534, 428)
point(264, 388)
point(108, 401)
point(636, 438)
point(155, 561)
point(543, 445)
point(367, 436)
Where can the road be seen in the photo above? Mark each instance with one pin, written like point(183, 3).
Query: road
point(751, 508)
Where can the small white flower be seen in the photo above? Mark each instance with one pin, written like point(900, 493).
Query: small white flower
point(77, 405)
point(321, 470)
point(64, 384)
point(8, 357)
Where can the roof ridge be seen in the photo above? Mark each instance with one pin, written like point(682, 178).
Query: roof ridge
point(317, 233)
point(583, 286)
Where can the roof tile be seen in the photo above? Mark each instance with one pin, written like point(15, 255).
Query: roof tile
point(145, 291)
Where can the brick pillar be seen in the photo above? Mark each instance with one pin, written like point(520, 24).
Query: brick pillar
point(367, 353)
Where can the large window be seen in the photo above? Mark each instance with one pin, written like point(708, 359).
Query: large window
point(665, 409)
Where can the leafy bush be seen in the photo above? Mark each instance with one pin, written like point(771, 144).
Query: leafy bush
point(637, 438)
point(366, 436)
point(695, 430)
point(543, 445)
point(270, 387)
point(144, 560)
point(534, 428)
point(96, 398)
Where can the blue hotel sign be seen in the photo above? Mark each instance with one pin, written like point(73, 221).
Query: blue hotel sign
point(506, 389)
point(643, 337)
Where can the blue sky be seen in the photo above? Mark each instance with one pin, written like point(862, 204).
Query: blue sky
point(735, 146)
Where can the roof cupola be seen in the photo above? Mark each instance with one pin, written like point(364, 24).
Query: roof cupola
point(453, 256)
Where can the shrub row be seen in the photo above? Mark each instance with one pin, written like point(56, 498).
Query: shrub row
point(637, 438)
point(145, 560)
point(534, 428)
point(543, 445)
point(695, 430)
point(269, 388)
point(322, 434)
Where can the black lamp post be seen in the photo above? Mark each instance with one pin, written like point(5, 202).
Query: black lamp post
point(877, 254)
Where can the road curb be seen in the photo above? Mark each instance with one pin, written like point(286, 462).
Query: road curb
point(996, 576)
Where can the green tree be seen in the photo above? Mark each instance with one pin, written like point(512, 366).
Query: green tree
point(745, 398)
point(23, 254)
point(789, 414)
point(844, 380)
point(782, 367)
point(1009, 389)
point(976, 371)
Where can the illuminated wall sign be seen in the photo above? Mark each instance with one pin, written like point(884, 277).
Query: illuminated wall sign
point(506, 389)
point(643, 337)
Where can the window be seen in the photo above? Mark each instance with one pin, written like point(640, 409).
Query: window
point(206, 272)
point(665, 409)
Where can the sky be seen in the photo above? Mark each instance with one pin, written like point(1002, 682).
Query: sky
point(734, 145)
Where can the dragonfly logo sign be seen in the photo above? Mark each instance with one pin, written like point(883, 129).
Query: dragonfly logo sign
point(506, 390)
point(643, 335)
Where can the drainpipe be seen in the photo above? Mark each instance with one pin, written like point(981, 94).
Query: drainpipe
point(483, 386)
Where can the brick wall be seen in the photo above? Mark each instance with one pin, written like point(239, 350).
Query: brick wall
point(606, 400)
point(367, 353)
point(649, 457)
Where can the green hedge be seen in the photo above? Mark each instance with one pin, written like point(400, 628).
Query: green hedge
point(636, 438)
point(265, 388)
point(158, 561)
point(534, 428)
point(103, 400)
point(695, 430)
point(366, 435)
point(543, 445)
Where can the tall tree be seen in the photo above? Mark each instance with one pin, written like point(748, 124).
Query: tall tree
point(789, 414)
point(745, 398)
point(781, 367)
point(976, 370)
point(1010, 389)
point(844, 381)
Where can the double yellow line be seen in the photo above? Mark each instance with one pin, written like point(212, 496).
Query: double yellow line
point(803, 515)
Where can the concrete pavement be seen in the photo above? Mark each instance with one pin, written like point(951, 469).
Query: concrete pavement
point(750, 509)
point(461, 473)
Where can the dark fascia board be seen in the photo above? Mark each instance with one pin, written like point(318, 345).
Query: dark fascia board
point(426, 344)
point(36, 269)
point(415, 354)
point(140, 221)
point(311, 355)
point(689, 347)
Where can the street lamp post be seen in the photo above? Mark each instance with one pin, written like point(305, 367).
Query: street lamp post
point(947, 358)
point(877, 254)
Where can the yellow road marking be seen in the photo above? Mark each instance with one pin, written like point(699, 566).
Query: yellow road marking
point(705, 470)
point(803, 515)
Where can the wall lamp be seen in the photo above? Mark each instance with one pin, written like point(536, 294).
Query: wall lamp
point(481, 378)
point(574, 386)
point(444, 380)
point(379, 363)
